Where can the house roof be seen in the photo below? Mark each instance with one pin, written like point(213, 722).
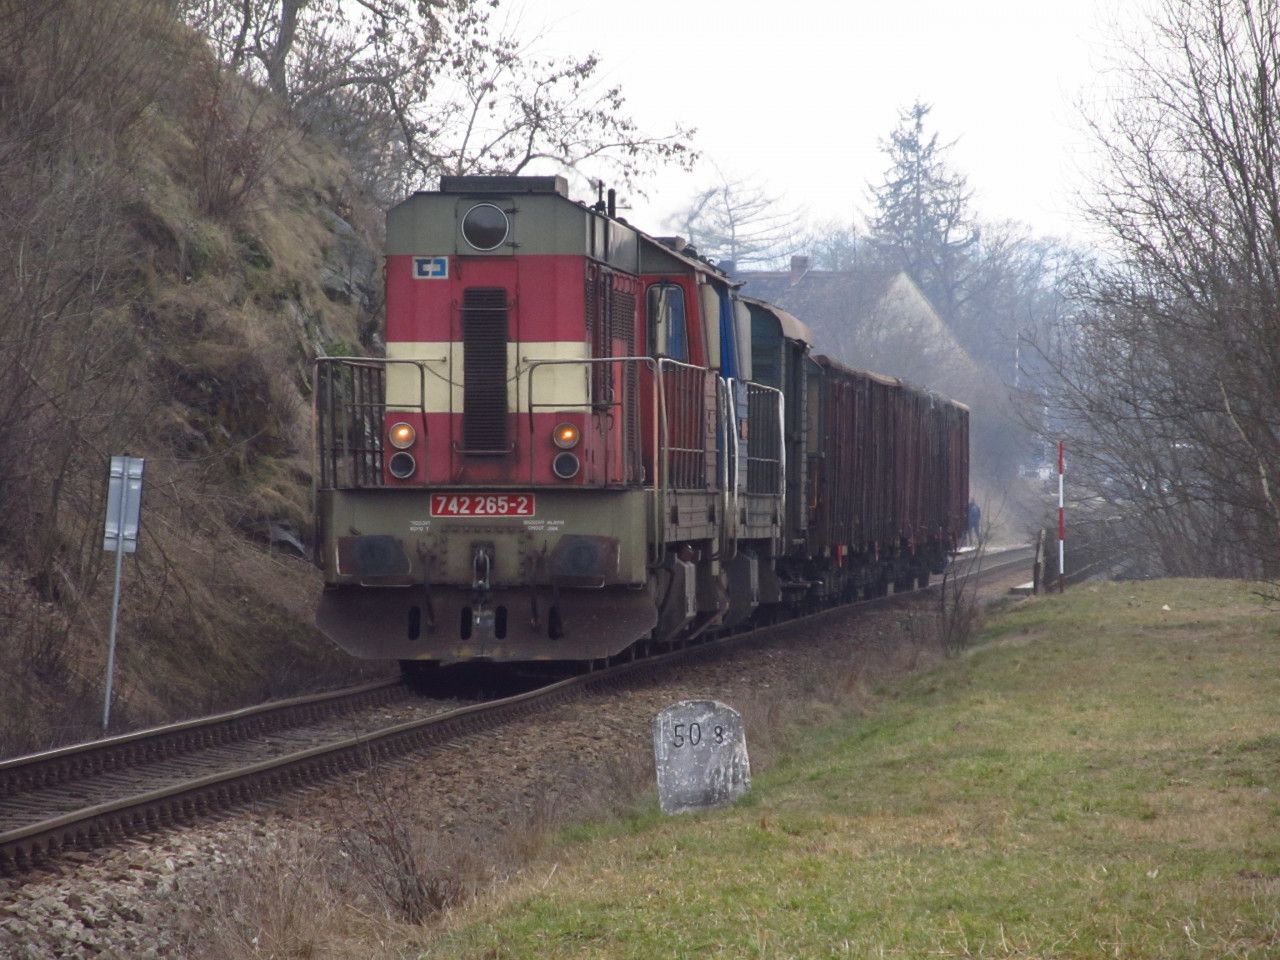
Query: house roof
point(870, 318)
point(823, 299)
point(817, 294)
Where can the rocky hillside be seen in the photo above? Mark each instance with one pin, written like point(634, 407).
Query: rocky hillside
point(176, 254)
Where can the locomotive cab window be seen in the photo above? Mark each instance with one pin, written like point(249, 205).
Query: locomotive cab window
point(668, 329)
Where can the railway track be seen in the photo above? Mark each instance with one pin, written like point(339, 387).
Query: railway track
point(94, 794)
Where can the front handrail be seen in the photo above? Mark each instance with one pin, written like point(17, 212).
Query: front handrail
point(531, 365)
point(782, 469)
point(335, 418)
point(590, 404)
point(348, 425)
point(759, 391)
point(748, 472)
point(667, 365)
point(729, 465)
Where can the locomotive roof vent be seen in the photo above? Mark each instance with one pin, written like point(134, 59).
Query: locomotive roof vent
point(504, 185)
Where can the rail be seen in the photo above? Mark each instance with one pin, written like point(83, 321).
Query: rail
point(60, 764)
point(47, 834)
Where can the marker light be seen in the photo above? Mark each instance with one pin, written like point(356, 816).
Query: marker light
point(402, 465)
point(402, 435)
point(566, 465)
point(566, 436)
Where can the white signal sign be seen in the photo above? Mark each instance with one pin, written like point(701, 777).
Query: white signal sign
point(124, 512)
point(124, 504)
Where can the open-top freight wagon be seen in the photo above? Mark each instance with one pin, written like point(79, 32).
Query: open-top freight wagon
point(583, 438)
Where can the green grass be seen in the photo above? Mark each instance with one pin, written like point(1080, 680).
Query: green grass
point(1095, 777)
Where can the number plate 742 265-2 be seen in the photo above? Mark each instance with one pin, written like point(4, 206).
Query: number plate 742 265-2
point(482, 505)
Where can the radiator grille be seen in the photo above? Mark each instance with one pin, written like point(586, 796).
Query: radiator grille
point(484, 335)
point(599, 324)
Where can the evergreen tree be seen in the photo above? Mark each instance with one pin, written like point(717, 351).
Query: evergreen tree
point(922, 221)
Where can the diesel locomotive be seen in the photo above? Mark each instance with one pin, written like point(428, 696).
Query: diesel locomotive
point(584, 439)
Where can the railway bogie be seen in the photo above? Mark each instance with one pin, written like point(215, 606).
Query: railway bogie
point(584, 438)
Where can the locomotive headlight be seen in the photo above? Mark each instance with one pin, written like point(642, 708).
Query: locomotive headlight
point(402, 465)
point(402, 435)
point(566, 465)
point(485, 226)
point(566, 436)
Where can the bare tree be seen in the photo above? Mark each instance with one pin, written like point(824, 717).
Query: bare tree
point(1167, 378)
point(739, 222)
point(413, 89)
point(73, 104)
point(837, 246)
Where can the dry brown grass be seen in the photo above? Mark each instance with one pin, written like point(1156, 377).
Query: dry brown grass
point(280, 905)
point(391, 871)
point(848, 680)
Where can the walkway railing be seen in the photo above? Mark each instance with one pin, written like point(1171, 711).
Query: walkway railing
point(696, 443)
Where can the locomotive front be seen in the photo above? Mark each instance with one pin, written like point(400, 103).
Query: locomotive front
point(481, 490)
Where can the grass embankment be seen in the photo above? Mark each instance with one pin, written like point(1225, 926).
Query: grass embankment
point(1096, 777)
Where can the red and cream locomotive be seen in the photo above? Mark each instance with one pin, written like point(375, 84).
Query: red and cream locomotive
point(583, 438)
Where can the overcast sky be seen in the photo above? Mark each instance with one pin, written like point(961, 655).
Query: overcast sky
point(797, 95)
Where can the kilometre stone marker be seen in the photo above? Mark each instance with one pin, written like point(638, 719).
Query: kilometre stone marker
point(700, 749)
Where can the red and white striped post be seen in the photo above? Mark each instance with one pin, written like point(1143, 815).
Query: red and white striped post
point(1062, 521)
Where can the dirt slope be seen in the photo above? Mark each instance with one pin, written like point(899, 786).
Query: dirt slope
point(212, 251)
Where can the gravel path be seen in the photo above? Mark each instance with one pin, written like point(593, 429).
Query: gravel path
point(579, 760)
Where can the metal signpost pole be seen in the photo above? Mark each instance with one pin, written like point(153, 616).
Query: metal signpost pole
point(1037, 568)
point(1062, 524)
point(115, 603)
point(124, 518)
